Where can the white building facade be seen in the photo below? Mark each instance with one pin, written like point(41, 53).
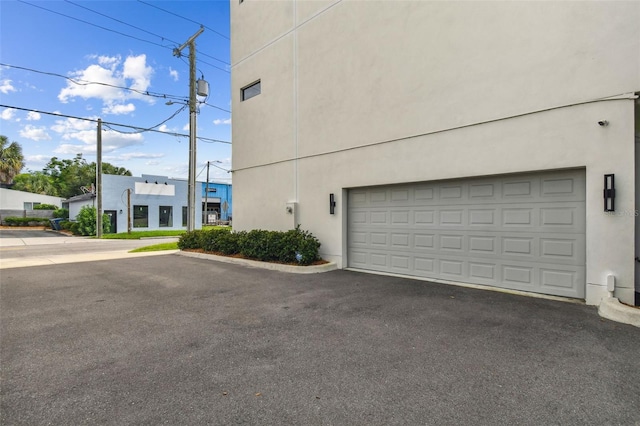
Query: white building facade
point(466, 142)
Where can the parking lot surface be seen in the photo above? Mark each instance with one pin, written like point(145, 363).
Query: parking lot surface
point(177, 340)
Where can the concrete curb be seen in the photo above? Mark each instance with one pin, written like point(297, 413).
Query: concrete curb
point(313, 269)
point(611, 308)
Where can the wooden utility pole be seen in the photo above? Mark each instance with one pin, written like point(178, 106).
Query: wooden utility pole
point(99, 180)
point(191, 192)
point(128, 210)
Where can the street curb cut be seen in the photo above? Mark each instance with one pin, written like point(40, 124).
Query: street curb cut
point(611, 308)
point(313, 269)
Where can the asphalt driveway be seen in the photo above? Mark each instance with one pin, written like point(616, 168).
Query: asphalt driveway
point(177, 340)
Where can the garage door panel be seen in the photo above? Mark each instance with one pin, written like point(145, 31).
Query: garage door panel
point(521, 232)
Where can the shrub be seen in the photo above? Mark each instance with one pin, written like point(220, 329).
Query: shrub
point(45, 207)
point(291, 246)
point(66, 225)
point(61, 213)
point(85, 223)
point(25, 221)
point(189, 240)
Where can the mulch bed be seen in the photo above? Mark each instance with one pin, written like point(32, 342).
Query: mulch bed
point(240, 256)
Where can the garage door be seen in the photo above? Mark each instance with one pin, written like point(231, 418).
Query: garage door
point(522, 232)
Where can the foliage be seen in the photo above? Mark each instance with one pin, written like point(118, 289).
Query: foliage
point(61, 213)
point(294, 246)
point(156, 247)
point(85, 223)
point(35, 182)
point(24, 221)
point(11, 160)
point(68, 176)
point(45, 207)
point(66, 225)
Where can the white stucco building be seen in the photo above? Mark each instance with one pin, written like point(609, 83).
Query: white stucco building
point(466, 142)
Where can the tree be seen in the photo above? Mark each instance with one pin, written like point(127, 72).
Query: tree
point(11, 160)
point(36, 182)
point(70, 175)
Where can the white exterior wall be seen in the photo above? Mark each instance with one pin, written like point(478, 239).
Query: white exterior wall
point(14, 200)
point(372, 93)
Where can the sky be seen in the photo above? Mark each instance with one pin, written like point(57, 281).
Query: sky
point(48, 47)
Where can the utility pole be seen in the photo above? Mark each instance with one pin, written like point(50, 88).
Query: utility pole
point(206, 196)
point(128, 210)
point(191, 193)
point(99, 180)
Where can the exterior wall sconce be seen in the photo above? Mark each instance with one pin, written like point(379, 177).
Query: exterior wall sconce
point(609, 193)
point(120, 211)
point(332, 204)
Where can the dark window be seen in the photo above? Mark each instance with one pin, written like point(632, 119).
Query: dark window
point(185, 213)
point(250, 91)
point(140, 216)
point(165, 216)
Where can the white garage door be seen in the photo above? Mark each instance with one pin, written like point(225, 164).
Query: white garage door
point(522, 232)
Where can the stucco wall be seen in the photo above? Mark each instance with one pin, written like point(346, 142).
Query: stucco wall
point(374, 93)
point(11, 199)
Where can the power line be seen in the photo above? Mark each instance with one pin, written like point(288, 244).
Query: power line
point(95, 120)
point(182, 17)
point(114, 31)
point(81, 82)
point(142, 29)
point(178, 111)
point(95, 25)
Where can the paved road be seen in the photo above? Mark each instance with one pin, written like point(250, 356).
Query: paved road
point(177, 340)
point(34, 248)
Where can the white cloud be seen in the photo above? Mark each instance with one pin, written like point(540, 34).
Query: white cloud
point(111, 71)
point(186, 127)
point(33, 116)
point(85, 131)
point(8, 113)
point(152, 163)
point(6, 86)
point(35, 133)
point(36, 160)
point(217, 121)
point(137, 156)
point(119, 109)
point(173, 73)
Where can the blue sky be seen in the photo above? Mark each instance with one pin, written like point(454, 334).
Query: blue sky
point(136, 53)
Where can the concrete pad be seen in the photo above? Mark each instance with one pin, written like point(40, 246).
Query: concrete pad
point(75, 258)
point(611, 308)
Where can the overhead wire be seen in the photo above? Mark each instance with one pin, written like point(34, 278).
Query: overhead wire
point(182, 17)
point(142, 29)
point(178, 111)
point(82, 82)
point(95, 120)
point(118, 32)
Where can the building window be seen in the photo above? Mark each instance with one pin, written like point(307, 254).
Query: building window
point(250, 91)
point(165, 216)
point(185, 213)
point(140, 216)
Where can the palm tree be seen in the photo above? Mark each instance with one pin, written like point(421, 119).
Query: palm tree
point(11, 160)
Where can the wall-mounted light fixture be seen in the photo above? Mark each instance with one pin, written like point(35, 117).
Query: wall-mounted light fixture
point(120, 211)
point(609, 193)
point(332, 204)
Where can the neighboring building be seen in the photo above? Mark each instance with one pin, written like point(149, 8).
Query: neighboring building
point(218, 202)
point(20, 200)
point(143, 203)
point(461, 141)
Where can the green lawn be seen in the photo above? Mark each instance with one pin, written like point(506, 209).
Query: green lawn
point(157, 247)
point(136, 235)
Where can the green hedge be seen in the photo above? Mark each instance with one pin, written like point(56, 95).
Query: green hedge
point(291, 246)
point(24, 221)
point(45, 207)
